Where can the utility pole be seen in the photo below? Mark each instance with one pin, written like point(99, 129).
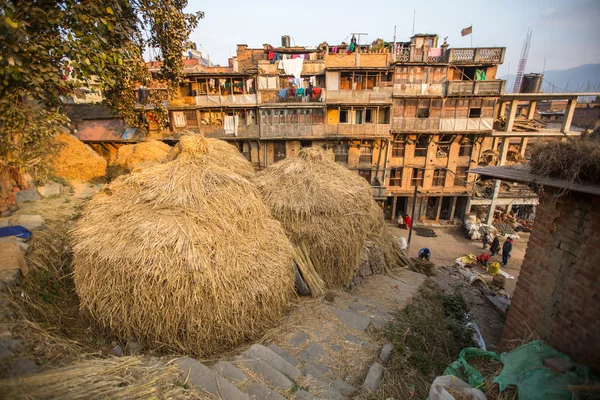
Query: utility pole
point(414, 16)
point(412, 216)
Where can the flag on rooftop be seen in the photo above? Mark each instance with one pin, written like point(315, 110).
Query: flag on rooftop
point(467, 31)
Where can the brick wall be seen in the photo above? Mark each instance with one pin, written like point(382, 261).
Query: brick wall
point(248, 58)
point(557, 297)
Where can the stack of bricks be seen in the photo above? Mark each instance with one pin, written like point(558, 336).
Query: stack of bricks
point(557, 297)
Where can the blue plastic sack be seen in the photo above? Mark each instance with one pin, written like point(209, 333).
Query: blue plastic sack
point(16, 230)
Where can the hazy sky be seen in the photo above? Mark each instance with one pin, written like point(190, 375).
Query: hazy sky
point(565, 32)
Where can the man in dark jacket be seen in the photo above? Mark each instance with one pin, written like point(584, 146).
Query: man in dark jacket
point(506, 249)
point(495, 248)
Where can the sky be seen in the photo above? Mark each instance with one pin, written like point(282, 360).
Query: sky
point(565, 32)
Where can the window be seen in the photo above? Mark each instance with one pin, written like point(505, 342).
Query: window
point(359, 115)
point(344, 117)
point(244, 148)
point(398, 148)
point(383, 116)
point(421, 146)
point(369, 116)
point(439, 177)
point(305, 143)
point(318, 116)
point(366, 153)
point(279, 151)
point(417, 177)
point(341, 153)
point(475, 112)
point(443, 148)
point(396, 177)
point(466, 148)
point(365, 173)
point(423, 112)
point(461, 176)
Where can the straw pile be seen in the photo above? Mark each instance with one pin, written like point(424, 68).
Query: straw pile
point(325, 208)
point(142, 154)
point(576, 160)
point(183, 255)
point(122, 378)
point(219, 152)
point(76, 160)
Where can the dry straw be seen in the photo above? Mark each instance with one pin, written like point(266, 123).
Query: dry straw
point(184, 255)
point(130, 156)
point(326, 208)
point(576, 160)
point(76, 160)
point(115, 378)
point(219, 152)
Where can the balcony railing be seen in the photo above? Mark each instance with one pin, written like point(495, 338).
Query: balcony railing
point(475, 55)
point(358, 130)
point(218, 132)
point(488, 88)
point(441, 124)
point(292, 130)
point(382, 95)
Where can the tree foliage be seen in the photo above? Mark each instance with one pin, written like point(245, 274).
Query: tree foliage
point(49, 48)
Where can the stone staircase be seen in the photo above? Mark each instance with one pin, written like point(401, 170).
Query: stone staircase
point(323, 350)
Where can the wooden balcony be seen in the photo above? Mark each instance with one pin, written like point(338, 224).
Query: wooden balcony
point(218, 132)
point(357, 130)
point(292, 131)
point(381, 95)
point(441, 124)
point(476, 88)
point(475, 55)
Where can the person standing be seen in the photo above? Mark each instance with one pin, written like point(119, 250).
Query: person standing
point(495, 247)
point(506, 249)
point(485, 241)
point(407, 221)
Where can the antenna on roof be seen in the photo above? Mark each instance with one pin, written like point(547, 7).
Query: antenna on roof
point(414, 16)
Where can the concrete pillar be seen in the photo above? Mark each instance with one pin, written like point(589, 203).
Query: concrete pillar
point(523, 146)
point(568, 118)
point(495, 143)
point(439, 208)
point(504, 150)
point(531, 111)
point(453, 208)
point(512, 114)
point(495, 191)
point(394, 199)
point(500, 110)
point(468, 207)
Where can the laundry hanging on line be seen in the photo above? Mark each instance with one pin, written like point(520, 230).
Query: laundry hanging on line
point(293, 67)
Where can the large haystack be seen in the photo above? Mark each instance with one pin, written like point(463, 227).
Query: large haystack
point(183, 255)
point(219, 152)
point(76, 160)
point(131, 156)
point(576, 160)
point(325, 208)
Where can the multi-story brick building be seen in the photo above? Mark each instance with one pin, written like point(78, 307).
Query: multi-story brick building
point(414, 113)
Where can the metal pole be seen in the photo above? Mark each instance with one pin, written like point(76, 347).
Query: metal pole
point(412, 217)
point(414, 16)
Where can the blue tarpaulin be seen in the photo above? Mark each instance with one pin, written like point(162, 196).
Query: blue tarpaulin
point(16, 230)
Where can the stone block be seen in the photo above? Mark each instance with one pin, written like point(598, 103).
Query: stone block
point(298, 339)
point(386, 352)
point(343, 387)
point(205, 379)
point(273, 359)
point(350, 319)
point(321, 390)
point(284, 354)
point(50, 189)
point(304, 395)
point(31, 222)
point(23, 196)
point(268, 374)
point(374, 377)
point(259, 391)
point(229, 371)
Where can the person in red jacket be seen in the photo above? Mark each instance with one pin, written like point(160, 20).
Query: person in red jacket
point(407, 221)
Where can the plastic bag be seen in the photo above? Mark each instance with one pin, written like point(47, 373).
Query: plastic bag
point(438, 389)
point(463, 370)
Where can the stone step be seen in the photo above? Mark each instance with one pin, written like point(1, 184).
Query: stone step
point(258, 391)
point(303, 395)
point(316, 370)
point(268, 374)
point(351, 319)
point(230, 371)
point(321, 390)
point(205, 379)
point(259, 352)
point(284, 354)
point(343, 387)
point(374, 377)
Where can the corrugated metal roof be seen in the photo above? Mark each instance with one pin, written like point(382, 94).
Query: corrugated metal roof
point(102, 130)
point(521, 173)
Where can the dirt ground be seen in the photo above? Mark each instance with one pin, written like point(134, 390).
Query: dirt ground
point(451, 242)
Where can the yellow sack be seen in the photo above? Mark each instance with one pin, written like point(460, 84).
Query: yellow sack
point(493, 268)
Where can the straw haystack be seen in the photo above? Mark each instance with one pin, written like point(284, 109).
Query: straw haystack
point(131, 156)
point(219, 152)
point(76, 160)
point(182, 255)
point(326, 209)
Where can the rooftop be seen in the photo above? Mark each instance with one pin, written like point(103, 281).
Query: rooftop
point(521, 173)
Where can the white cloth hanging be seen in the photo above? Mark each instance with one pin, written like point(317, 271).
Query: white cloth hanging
point(179, 119)
point(293, 67)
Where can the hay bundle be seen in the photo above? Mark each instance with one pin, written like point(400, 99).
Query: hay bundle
point(75, 160)
point(219, 152)
point(131, 156)
point(116, 378)
point(575, 160)
point(182, 254)
point(324, 207)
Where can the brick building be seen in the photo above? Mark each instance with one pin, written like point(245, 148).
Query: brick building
point(556, 298)
point(414, 113)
